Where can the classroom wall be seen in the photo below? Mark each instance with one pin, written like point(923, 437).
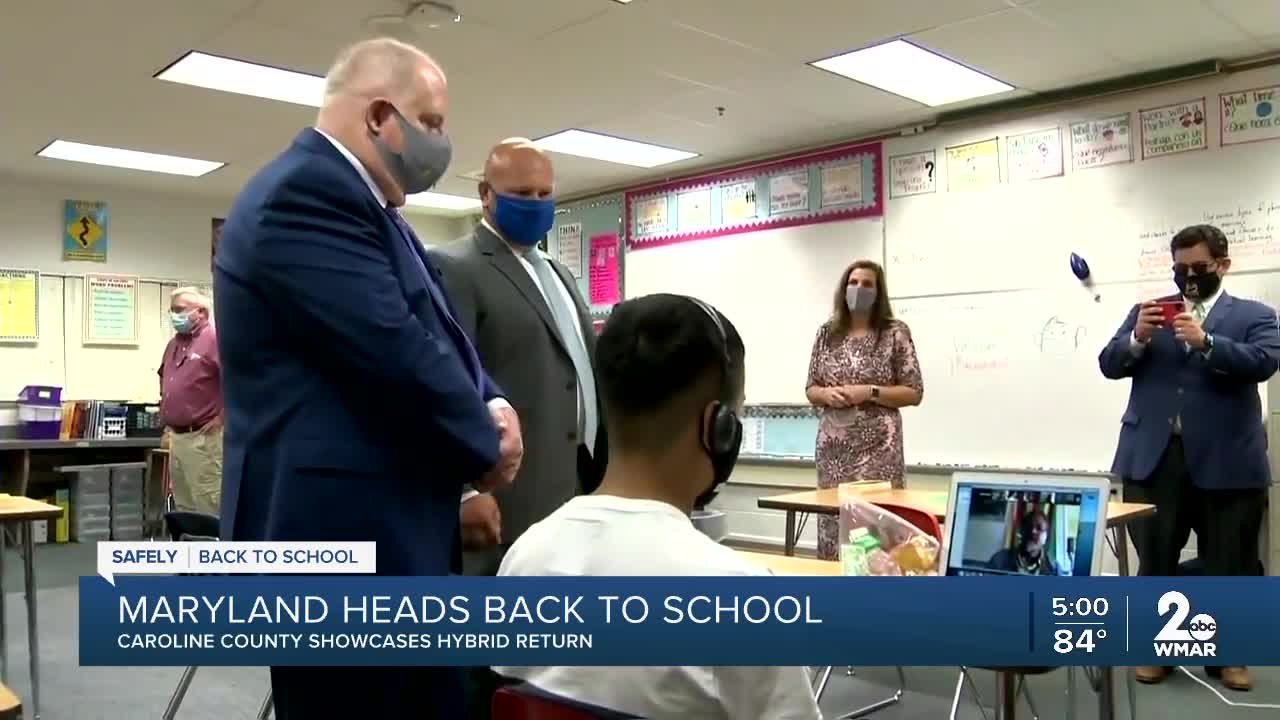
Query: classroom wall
point(163, 239)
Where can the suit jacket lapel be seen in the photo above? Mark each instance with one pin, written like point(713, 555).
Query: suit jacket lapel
point(506, 263)
point(1220, 308)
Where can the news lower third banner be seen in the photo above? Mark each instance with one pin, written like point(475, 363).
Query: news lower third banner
point(371, 620)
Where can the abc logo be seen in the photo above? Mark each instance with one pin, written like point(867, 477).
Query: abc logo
point(1202, 627)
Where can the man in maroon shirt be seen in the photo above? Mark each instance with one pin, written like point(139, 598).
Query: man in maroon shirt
point(191, 404)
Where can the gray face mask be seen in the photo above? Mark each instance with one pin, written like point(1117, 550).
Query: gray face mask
point(859, 299)
point(423, 161)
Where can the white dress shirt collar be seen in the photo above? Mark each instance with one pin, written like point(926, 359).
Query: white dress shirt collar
point(359, 166)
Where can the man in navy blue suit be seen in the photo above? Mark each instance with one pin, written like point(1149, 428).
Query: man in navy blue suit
point(1191, 439)
point(356, 407)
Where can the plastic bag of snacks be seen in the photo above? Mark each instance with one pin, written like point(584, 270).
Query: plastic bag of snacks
point(875, 541)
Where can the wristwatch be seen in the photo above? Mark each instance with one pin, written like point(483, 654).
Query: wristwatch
point(1208, 344)
point(875, 391)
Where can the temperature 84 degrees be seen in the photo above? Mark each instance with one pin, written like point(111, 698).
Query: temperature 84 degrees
point(1079, 624)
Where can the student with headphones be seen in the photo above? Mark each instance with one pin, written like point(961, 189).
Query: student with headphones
point(671, 377)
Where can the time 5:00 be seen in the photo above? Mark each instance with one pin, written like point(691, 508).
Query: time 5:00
point(1081, 606)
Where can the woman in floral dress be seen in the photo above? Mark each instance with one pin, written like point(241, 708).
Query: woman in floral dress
point(863, 368)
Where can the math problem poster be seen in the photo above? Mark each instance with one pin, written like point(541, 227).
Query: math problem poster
point(84, 230)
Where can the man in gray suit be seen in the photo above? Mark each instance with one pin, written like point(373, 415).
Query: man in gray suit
point(532, 330)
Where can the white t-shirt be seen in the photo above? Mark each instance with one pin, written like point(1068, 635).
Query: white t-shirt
point(607, 535)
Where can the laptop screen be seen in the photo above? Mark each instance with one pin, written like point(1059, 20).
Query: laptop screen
point(1002, 529)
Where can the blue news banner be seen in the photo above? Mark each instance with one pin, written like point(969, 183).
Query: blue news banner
point(310, 620)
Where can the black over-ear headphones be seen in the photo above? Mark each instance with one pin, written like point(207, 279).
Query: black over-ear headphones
point(726, 429)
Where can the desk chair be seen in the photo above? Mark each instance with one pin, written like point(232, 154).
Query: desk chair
point(526, 702)
point(195, 527)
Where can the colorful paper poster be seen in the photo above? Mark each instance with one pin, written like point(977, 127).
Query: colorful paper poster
point(84, 230)
point(651, 216)
point(19, 305)
point(602, 275)
point(1034, 155)
point(738, 203)
point(214, 236)
point(842, 184)
point(110, 310)
point(789, 193)
point(975, 166)
point(1250, 115)
point(1173, 129)
point(693, 210)
point(569, 247)
point(1101, 142)
point(912, 174)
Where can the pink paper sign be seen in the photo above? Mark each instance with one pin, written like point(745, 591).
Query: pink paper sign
point(602, 273)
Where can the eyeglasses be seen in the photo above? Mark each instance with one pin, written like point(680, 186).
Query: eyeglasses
point(1200, 268)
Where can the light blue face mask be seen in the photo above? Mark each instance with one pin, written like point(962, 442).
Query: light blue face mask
point(182, 322)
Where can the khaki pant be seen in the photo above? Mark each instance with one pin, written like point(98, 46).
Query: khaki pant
point(195, 470)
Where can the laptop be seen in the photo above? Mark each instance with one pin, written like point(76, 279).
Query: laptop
point(1026, 524)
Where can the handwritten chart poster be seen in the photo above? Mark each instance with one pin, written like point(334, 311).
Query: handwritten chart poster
point(651, 216)
point(602, 275)
point(569, 247)
point(912, 174)
point(84, 230)
point(1173, 129)
point(1034, 155)
point(1250, 115)
point(841, 184)
point(738, 203)
point(975, 166)
point(788, 193)
point(19, 305)
point(693, 210)
point(1101, 142)
point(110, 310)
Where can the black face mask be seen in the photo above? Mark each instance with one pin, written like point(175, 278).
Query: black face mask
point(1197, 287)
point(723, 459)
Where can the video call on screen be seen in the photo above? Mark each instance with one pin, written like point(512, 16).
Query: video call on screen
point(999, 531)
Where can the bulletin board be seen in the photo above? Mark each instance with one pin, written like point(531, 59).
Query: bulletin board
point(840, 183)
point(19, 306)
point(580, 225)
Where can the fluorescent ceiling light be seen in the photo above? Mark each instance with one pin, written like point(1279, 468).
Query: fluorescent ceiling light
point(129, 159)
point(611, 149)
point(442, 201)
point(245, 78)
point(911, 71)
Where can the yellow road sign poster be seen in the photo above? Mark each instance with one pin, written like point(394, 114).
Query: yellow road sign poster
point(84, 231)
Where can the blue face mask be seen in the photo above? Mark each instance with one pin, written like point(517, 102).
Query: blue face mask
point(523, 221)
point(181, 322)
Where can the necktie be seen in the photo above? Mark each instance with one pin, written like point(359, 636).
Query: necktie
point(566, 319)
point(460, 339)
point(1198, 311)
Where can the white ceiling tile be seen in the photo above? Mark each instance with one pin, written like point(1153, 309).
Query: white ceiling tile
point(1060, 57)
point(1155, 32)
point(827, 95)
point(1258, 18)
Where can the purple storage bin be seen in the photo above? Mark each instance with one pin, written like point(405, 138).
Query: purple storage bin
point(40, 430)
point(40, 395)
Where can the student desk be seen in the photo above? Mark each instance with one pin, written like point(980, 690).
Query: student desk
point(10, 706)
point(827, 502)
point(23, 511)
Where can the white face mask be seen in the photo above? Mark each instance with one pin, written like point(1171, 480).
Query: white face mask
point(859, 299)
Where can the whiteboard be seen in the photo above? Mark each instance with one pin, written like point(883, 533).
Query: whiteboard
point(1011, 378)
point(1019, 235)
point(775, 286)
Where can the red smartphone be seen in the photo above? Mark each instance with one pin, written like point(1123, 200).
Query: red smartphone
point(1170, 310)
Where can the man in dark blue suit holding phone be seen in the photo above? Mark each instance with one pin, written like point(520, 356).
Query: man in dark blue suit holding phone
point(356, 407)
point(1191, 439)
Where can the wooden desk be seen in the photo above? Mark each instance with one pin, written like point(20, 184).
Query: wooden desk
point(23, 511)
point(10, 705)
point(791, 565)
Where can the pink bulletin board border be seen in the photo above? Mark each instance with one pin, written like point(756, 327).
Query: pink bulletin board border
point(874, 150)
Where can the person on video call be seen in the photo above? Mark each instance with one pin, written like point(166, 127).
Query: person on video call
point(356, 406)
point(671, 376)
point(1191, 439)
point(1030, 556)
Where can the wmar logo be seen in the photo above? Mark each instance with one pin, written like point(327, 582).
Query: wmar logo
point(1175, 640)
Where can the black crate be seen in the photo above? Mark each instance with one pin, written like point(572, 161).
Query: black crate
point(143, 421)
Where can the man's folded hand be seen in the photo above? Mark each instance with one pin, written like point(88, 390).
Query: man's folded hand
point(510, 451)
point(481, 522)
